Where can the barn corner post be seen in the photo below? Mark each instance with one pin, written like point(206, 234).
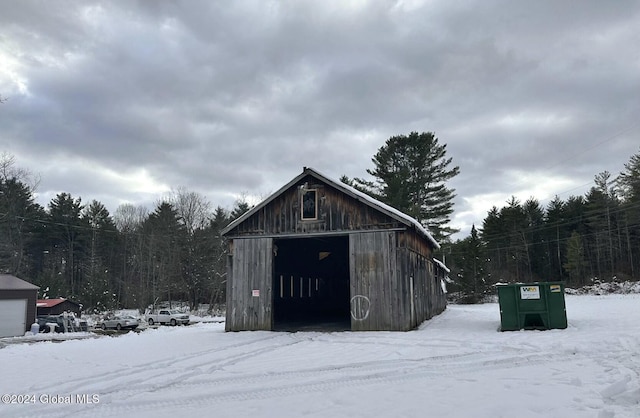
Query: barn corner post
point(229, 311)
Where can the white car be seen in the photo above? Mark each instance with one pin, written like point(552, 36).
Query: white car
point(120, 322)
point(167, 316)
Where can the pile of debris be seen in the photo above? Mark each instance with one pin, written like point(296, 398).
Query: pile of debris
point(606, 288)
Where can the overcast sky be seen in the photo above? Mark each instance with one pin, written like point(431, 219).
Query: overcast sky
point(122, 101)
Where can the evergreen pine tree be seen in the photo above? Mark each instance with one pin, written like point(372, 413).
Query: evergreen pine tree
point(410, 174)
point(576, 264)
point(469, 261)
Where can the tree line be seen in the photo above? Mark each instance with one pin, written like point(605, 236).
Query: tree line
point(134, 257)
point(596, 236)
point(577, 240)
point(131, 258)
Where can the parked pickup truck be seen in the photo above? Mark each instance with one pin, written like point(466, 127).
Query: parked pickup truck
point(168, 316)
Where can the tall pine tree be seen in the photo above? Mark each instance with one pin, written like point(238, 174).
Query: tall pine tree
point(410, 174)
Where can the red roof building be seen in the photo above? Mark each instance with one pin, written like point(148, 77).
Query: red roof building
point(57, 306)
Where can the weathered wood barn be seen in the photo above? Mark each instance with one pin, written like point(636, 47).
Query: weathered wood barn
point(318, 254)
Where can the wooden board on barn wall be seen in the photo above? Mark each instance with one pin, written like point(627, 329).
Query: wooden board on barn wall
point(249, 286)
point(427, 294)
point(415, 260)
point(376, 302)
point(337, 211)
point(411, 240)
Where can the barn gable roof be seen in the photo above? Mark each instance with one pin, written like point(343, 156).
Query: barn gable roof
point(9, 282)
point(354, 193)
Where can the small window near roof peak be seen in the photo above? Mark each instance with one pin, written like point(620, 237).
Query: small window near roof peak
point(309, 204)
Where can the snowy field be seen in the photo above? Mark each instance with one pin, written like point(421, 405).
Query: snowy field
point(456, 365)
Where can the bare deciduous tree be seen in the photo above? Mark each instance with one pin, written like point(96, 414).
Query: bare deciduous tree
point(193, 209)
point(9, 170)
point(128, 217)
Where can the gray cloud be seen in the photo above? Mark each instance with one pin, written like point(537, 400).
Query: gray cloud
point(118, 101)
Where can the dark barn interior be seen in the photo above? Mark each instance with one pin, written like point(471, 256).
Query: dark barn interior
point(311, 284)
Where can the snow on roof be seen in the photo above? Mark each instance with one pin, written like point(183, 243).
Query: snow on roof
point(393, 212)
point(441, 264)
point(384, 206)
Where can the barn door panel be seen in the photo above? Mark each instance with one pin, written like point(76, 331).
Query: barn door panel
point(249, 285)
point(374, 286)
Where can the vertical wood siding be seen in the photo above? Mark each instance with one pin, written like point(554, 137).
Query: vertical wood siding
point(250, 269)
point(336, 212)
point(415, 262)
point(376, 302)
point(393, 282)
point(392, 288)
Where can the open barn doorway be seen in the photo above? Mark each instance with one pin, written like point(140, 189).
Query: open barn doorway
point(311, 284)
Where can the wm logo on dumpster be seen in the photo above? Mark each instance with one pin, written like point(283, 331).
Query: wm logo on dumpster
point(530, 292)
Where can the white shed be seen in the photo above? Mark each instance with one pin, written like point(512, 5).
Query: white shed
point(17, 305)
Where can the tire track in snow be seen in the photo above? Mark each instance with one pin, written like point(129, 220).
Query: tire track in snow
point(388, 373)
point(623, 371)
point(158, 368)
point(269, 385)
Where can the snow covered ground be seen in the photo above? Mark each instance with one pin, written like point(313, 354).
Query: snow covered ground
point(455, 365)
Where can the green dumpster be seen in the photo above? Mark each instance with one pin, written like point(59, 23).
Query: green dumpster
point(537, 305)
